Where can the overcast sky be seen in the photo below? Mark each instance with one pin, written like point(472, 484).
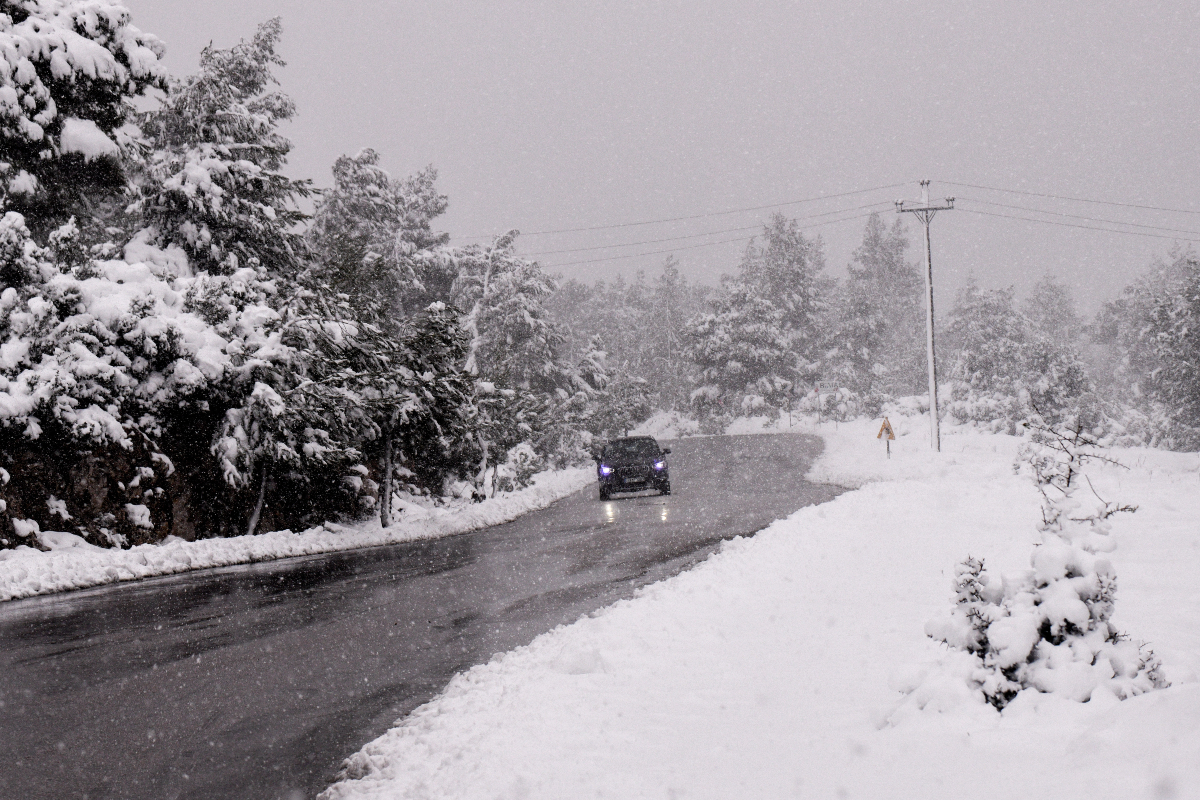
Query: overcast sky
point(549, 116)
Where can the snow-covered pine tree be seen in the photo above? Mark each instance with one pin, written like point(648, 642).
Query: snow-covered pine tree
point(858, 337)
point(674, 303)
point(1002, 368)
point(372, 236)
point(513, 341)
point(212, 182)
point(260, 438)
point(109, 368)
point(789, 268)
point(876, 329)
point(1154, 329)
point(591, 373)
point(1050, 308)
point(513, 350)
point(763, 333)
point(986, 338)
point(571, 415)
point(391, 395)
point(624, 405)
point(643, 325)
point(69, 70)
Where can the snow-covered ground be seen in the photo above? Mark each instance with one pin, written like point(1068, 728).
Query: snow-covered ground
point(72, 563)
point(778, 668)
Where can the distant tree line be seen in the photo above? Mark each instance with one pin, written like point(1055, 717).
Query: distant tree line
point(759, 343)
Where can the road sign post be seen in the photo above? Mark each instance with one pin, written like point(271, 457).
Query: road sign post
point(827, 387)
point(886, 428)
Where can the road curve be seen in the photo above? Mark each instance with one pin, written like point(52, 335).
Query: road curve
point(256, 681)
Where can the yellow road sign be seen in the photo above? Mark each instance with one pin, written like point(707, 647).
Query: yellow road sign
point(886, 428)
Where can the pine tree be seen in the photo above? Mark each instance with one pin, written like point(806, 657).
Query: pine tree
point(1051, 310)
point(674, 303)
point(513, 342)
point(763, 333)
point(1155, 328)
point(68, 74)
point(986, 338)
point(212, 182)
point(624, 404)
point(878, 316)
point(643, 325)
point(1004, 368)
point(858, 341)
point(372, 235)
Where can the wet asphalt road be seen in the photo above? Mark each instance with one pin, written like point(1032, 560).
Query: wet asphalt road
point(256, 681)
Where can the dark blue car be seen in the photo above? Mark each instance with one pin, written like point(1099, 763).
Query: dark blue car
point(633, 464)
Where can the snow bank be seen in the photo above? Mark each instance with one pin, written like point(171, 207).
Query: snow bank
point(778, 667)
point(667, 425)
point(25, 571)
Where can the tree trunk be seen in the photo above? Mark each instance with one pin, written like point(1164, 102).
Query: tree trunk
point(481, 478)
point(471, 367)
point(258, 506)
point(385, 497)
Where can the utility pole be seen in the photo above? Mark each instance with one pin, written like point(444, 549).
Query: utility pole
point(926, 213)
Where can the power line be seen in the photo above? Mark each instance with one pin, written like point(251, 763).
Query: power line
point(1071, 225)
point(701, 216)
point(696, 235)
point(1075, 199)
point(635, 244)
point(1077, 216)
point(693, 246)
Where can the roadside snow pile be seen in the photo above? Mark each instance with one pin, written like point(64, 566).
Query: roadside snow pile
point(778, 668)
point(72, 563)
point(667, 425)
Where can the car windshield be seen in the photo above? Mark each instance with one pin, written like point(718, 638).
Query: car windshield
point(632, 448)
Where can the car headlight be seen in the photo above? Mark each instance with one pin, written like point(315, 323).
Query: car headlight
point(605, 469)
point(660, 464)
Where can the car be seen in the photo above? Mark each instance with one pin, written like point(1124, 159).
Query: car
point(633, 464)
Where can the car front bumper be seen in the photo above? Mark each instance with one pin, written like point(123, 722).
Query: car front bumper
point(614, 483)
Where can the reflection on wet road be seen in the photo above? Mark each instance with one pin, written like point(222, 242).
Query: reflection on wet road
point(256, 681)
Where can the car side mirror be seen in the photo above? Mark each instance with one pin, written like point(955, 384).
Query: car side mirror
point(666, 451)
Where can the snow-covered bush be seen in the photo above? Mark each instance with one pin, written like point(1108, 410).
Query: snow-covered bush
point(994, 411)
point(1049, 628)
point(842, 404)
